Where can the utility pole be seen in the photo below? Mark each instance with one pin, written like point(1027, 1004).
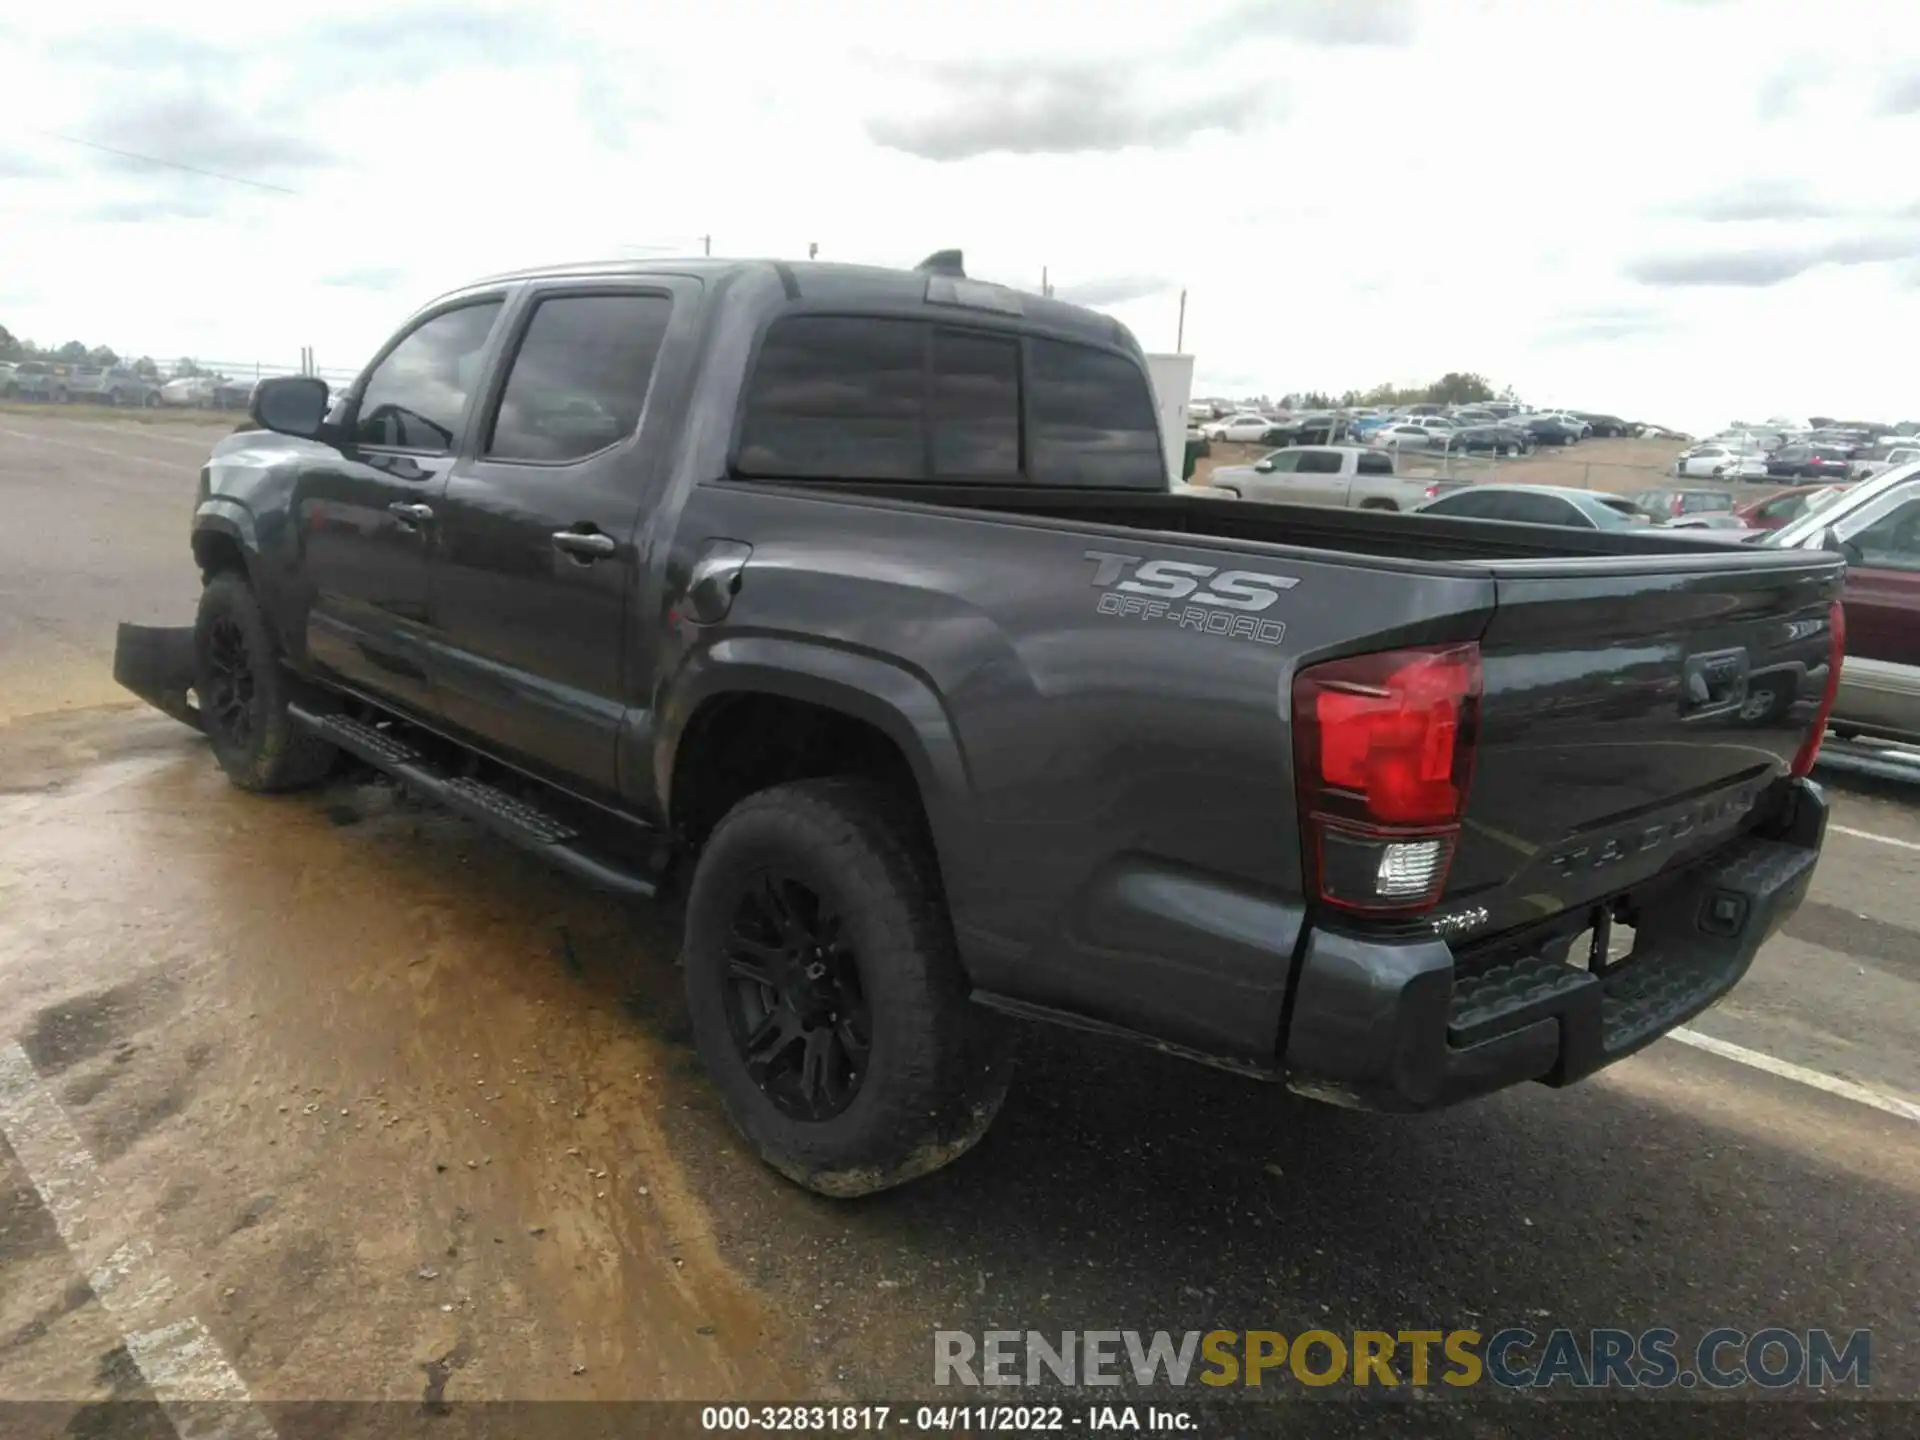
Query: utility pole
point(1045, 289)
point(706, 244)
point(813, 248)
point(1180, 332)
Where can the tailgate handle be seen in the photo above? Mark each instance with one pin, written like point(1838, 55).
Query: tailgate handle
point(1715, 681)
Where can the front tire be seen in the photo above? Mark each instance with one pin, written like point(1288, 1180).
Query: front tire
point(827, 997)
point(242, 691)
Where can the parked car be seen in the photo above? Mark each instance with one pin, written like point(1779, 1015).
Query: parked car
point(35, 380)
point(1541, 505)
point(1783, 507)
point(233, 394)
point(1670, 504)
point(1876, 527)
point(1721, 462)
point(1610, 426)
point(1721, 521)
point(1547, 430)
point(1245, 428)
point(757, 651)
point(190, 390)
point(113, 385)
point(1351, 476)
point(1490, 439)
point(1809, 462)
point(1407, 434)
point(1889, 459)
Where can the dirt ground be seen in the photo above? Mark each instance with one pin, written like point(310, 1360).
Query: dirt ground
point(390, 1112)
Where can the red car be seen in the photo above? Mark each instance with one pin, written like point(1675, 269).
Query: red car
point(1771, 512)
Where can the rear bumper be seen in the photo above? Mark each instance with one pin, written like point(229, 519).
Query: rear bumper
point(1405, 1027)
point(156, 663)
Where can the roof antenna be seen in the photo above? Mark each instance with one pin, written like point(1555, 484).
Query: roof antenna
point(943, 262)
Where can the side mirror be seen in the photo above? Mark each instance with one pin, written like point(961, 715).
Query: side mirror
point(290, 405)
point(1265, 467)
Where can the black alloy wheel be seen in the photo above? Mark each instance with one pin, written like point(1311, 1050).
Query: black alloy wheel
point(795, 1005)
point(230, 684)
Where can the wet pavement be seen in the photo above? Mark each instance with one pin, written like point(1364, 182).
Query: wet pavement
point(391, 1112)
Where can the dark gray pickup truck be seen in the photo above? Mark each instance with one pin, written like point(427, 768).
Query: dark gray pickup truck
point(854, 606)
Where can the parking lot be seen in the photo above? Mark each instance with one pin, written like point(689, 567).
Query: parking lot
point(390, 1112)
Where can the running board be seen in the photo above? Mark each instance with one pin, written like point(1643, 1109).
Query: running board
point(531, 828)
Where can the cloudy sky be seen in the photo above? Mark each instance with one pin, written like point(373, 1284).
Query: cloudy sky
point(1683, 210)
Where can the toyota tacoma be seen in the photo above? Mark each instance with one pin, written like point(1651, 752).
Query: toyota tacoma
point(854, 608)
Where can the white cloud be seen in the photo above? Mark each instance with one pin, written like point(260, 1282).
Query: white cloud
point(1685, 211)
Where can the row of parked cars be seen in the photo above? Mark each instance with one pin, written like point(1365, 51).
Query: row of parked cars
point(60, 384)
point(1813, 455)
point(1493, 428)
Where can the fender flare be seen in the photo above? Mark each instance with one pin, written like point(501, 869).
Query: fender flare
point(900, 703)
point(218, 515)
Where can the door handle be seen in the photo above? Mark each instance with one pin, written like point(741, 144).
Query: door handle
point(415, 513)
point(586, 544)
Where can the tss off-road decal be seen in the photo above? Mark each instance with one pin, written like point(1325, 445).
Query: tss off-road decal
point(1203, 598)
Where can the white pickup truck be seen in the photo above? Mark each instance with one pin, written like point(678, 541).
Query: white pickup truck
point(1354, 477)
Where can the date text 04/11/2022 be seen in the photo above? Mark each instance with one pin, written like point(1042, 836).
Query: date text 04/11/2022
point(938, 1419)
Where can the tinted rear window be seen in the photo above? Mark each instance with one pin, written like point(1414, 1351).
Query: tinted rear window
point(863, 398)
point(1093, 419)
point(838, 397)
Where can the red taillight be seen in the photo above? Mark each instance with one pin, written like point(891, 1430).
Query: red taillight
point(1383, 753)
point(1432, 492)
point(1836, 653)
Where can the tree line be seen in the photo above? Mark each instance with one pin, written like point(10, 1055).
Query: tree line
point(75, 352)
point(1456, 387)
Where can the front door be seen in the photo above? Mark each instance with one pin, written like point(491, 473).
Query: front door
point(535, 555)
point(367, 510)
point(1319, 477)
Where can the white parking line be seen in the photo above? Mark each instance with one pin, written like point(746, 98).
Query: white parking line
point(181, 1361)
point(148, 432)
point(121, 455)
point(1787, 1070)
point(1869, 835)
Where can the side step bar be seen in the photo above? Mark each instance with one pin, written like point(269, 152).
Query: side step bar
point(508, 816)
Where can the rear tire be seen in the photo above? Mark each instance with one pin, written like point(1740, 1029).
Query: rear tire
point(242, 691)
point(835, 1019)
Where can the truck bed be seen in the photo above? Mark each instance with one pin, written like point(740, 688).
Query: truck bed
point(1478, 546)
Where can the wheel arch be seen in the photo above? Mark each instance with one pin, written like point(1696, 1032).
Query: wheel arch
point(750, 713)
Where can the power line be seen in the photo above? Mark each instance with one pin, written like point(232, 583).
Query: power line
point(168, 164)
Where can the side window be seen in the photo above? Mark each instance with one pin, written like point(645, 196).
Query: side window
point(1319, 462)
point(416, 398)
point(580, 376)
point(1091, 419)
point(1543, 510)
point(1893, 541)
point(1370, 463)
point(1473, 507)
point(837, 397)
point(976, 406)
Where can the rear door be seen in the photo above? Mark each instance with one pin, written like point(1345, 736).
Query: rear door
point(536, 555)
point(1635, 710)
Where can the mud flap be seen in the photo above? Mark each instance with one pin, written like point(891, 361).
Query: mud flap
point(156, 663)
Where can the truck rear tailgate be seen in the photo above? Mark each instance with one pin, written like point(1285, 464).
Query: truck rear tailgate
point(1635, 713)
